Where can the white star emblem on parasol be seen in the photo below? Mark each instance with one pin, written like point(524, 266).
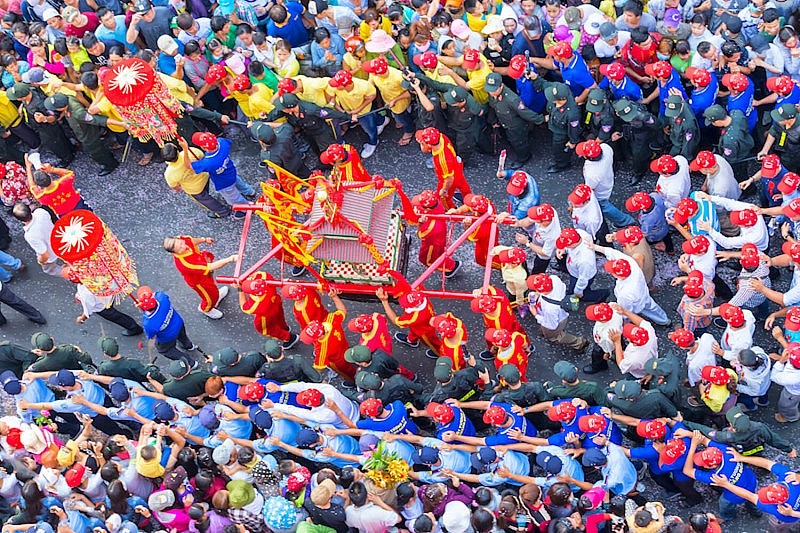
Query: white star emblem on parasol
point(72, 237)
point(127, 77)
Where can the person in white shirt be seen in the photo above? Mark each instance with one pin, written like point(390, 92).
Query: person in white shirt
point(542, 228)
point(699, 352)
point(642, 343)
point(337, 19)
point(605, 320)
point(548, 292)
point(585, 210)
point(738, 334)
point(674, 181)
point(194, 29)
point(706, 55)
point(319, 413)
point(700, 33)
point(611, 41)
point(700, 253)
point(786, 372)
point(368, 513)
point(766, 55)
point(720, 180)
point(754, 367)
point(463, 37)
point(102, 306)
point(581, 265)
point(630, 288)
point(752, 228)
point(37, 226)
point(598, 173)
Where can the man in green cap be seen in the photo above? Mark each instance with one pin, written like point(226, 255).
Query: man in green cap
point(378, 361)
point(665, 376)
point(15, 358)
point(640, 130)
point(184, 383)
point(54, 357)
point(117, 366)
point(464, 385)
point(572, 387)
point(600, 117)
point(319, 126)
point(508, 111)
point(229, 362)
point(564, 121)
point(735, 141)
point(512, 390)
point(42, 121)
point(785, 131)
point(629, 398)
point(285, 369)
point(746, 435)
point(278, 148)
point(88, 128)
point(684, 132)
point(389, 389)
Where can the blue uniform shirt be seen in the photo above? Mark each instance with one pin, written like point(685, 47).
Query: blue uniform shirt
point(36, 391)
point(515, 462)
point(285, 430)
point(162, 323)
point(339, 443)
point(738, 474)
point(791, 98)
point(219, 165)
point(576, 74)
point(533, 99)
point(673, 82)
point(793, 501)
point(142, 405)
point(627, 88)
point(396, 423)
point(293, 29)
point(454, 460)
point(90, 390)
point(460, 424)
point(519, 422)
point(612, 432)
point(744, 103)
point(653, 223)
point(703, 98)
point(237, 428)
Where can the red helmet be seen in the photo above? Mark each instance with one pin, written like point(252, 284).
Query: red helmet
point(512, 256)
point(378, 66)
point(412, 300)
point(440, 412)
point(783, 85)
point(659, 69)
point(286, 85)
point(215, 74)
point(792, 322)
point(310, 398)
point(205, 140)
point(732, 314)
point(736, 81)
point(517, 66)
point(498, 337)
point(427, 60)
point(774, 493)
point(619, 268)
point(312, 332)
point(789, 183)
point(704, 160)
point(673, 450)
point(792, 249)
point(700, 77)
point(682, 337)
point(542, 213)
point(562, 412)
point(651, 429)
point(371, 407)
point(750, 257)
point(629, 235)
point(256, 287)
point(353, 43)
point(541, 283)
point(710, 458)
point(426, 199)
point(241, 82)
point(568, 237)
point(361, 324)
point(640, 201)
point(485, 303)
point(746, 217)
point(495, 415)
point(637, 335)
point(332, 154)
point(601, 312)
point(696, 245)
point(293, 291)
point(580, 194)
point(477, 202)
point(445, 325)
point(561, 50)
point(430, 136)
point(145, 298)
point(715, 374)
point(592, 423)
point(770, 166)
point(589, 149)
point(251, 392)
point(794, 353)
point(472, 59)
point(342, 78)
point(613, 71)
point(666, 164)
point(693, 288)
point(685, 210)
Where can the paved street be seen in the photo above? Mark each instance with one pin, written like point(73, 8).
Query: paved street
point(141, 210)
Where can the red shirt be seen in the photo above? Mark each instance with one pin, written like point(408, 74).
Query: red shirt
point(331, 346)
point(379, 338)
point(634, 56)
point(92, 22)
point(193, 265)
point(60, 196)
point(309, 308)
point(352, 169)
point(265, 305)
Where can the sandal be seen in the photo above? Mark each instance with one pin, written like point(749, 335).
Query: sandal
point(405, 139)
point(145, 160)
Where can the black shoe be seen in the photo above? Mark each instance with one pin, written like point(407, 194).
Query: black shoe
point(594, 369)
point(213, 214)
point(239, 215)
point(514, 165)
point(486, 355)
point(291, 342)
point(636, 179)
point(348, 385)
point(41, 322)
point(402, 338)
point(430, 354)
point(553, 169)
point(298, 271)
point(132, 332)
point(252, 197)
point(105, 171)
point(262, 164)
point(64, 163)
point(455, 270)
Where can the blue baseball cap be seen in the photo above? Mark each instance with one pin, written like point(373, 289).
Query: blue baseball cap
point(594, 457)
point(62, 378)
point(118, 390)
point(163, 411)
point(306, 438)
point(482, 458)
point(10, 383)
point(260, 417)
point(208, 417)
point(551, 463)
point(426, 456)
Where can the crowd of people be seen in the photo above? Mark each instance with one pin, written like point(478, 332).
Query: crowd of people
point(350, 440)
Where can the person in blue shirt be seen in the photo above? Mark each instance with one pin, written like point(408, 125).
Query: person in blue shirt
point(618, 83)
point(221, 418)
point(668, 81)
point(30, 390)
point(651, 212)
point(596, 428)
point(573, 69)
point(783, 91)
point(704, 94)
point(486, 462)
point(534, 100)
point(505, 420)
point(741, 96)
point(327, 51)
point(716, 460)
point(163, 323)
point(318, 447)
point(286, 22)
point(522, 190)
point(552, 459)
point(447, 418)
point(169, 50)
point(392, 418)
point(284, 429)
point(437, 460)
point(530, 40)
point(124, 392)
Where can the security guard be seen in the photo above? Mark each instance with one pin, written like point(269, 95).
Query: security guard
point(748, 436)
point(564, 121)
point(640, 130)
point(684, 132)
point(389, 389)
point(463, 385)
point(15, 358)
point(378, 362)
point(277, 147)
point(572, 387)
point(464, 118)
point(228, 362)
point(184, 383)
point(508, 111)
point(319, 126)
point(629, 398)
point(784, 136)
point(54, 357)
point(512, 390)
point(42, 121)
point(600, 118)
point(735, 141)
point(285, 369)
point(665, 376)
point(88, 128)
point(117, 366)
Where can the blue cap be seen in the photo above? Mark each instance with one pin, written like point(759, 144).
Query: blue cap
point(594, 457)
point(118, 390)
point(306, 438)
point(426, 456)
point(10, 383)
point(208, 417)
point(368, 442)
point(163, 411)
point(260, 417)
point(483, 458)
point(551, 463)
point(62, 378)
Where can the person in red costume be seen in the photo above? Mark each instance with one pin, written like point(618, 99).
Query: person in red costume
point(510, 348)
point(197, 268)
point(54, 188)
point(307, 307)
point(476, 205)
point(346, 162)
point(261, 300)
point(432, 232)
point(373, 330)
point(495, 309)
point(454, 339)
point(417, 314)
point(447, 165)
point(330, 342)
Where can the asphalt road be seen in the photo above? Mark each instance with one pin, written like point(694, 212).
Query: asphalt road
point(141, 210)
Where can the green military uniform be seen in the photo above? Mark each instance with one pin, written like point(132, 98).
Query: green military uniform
point(666, 372)
point(15, 358)
point(735, 141)
point(426, 118)
point(184, 383)
point(507, 110)
point(564, 121)
point(319, 126)
point(522, 394)
point(50, 133)
point(228, 362)
point(286, 368)
point(378, 361)
point(747, 436)
point(88, 128)
point(600, 117)
point(629, 398)
point(684, 132)
point(278, 148)
point(461, 385)
point(640, 130)
point(389, 389)
point(786, 131)
point(124, 367)
point(67, 356)
point(572, 387)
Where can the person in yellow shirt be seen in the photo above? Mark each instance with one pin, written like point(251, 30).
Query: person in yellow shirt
point(428, 63)
point(314, 90)
point(476, 15)
point(389, 82)
point(180, 178)
point(355, 97)
point(355, 55)
point(373, 20)
point(477, 69)
point(11, 122)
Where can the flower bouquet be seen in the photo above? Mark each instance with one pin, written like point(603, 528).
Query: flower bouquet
point(385, 469)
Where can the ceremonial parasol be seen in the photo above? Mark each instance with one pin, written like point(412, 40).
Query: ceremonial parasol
point(97, 258)
point(142, 99)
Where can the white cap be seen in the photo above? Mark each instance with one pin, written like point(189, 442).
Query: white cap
point(167, 44)
point(50, 13)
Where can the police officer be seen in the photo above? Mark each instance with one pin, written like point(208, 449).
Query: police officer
point(513, 390)
point(387, 390)
point(640, 130)
point(564, 121)
point(184, 383)
point(53, 357)
point(283, 368)
point(15, 358)
point(508, 111)
point(378, 361)
point(42, 121)
point(600, 117)
point(665, 376)
point(572, 387)
point(228, 362)
point(428, 111)
point(735, 141)
point(464, 117)
point(746, 435)
point(87, 128)
point(117, 366)
point(784, 136)
point(277, 147)
point(629, 398)
point(463, 385)
point(684, 132)
point(319, 126)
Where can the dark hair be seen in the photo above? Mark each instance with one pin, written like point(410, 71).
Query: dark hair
point(118, 497)
point(117, 50)
point(770, 15)
point(109, 472)
point(90, 80)
point(256, 69)
point(482, 520)
point(416, 4)
point(441, 18)
point(7, 59)
point(639, 35)
point(187, 458)
point(10, 17)
point(102, 12)
point(730, 48)
point(405, 491)
point(7, 43)
point(217, 22)
point(259, 37)
point(192, 47)
point(169, 153)
point(470, 5)
point(423, 524)
point(704, 47)
point(616, 505)
point(484, 496)
point(196, 511)
point(60, 44)
point(327, 473)
point(204, 479)
point(632, 6)
point(185, 21)
point(682, 47)
point(786, 33)
point(22, 212)
point(35, 28)
point(347, 477)
point(320, 34)
point(371, 15)
point(89, 40)
point(245, 455)
point(20, 27)
point(560, 494)
point(358, 494)
point(699, 522)
point(87, 66)
point(278, 14)
point(33, 496)
point(204, 458)
point(110, 449)
point(561, 525)
point(243, 28)
point(41, 178)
